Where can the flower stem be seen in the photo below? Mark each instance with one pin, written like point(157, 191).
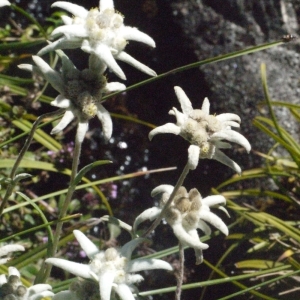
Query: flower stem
point(177, 186)
point(46, 269)
point(180, 273)
point(22, 153)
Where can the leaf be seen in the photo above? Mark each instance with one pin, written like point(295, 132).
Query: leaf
point(284, 134)
point(21, 91)
point(257, 122)
point(258, 264)
point(132, 119)
point(92, 184)
point(283, 104)
point(20, 45)
point(114, 230)
point(43, 217)
point(21, 177)
point(116, 222)
point(296, 114)
point(32, 164)
point(14, 80)
point(89, 167)
point(255, 192)
point(43, 138)
point(201, 63)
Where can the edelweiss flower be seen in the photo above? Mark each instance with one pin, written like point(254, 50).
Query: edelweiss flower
point(187, 212)
point(204, 130)
point(80, 94)
point(12, 288)
point(100, 32)
point(110, 268)
point(7, 249)
point(4, 3)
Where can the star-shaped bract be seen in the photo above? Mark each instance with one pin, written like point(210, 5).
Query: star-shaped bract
point(12, 288)
point(80, 93)
point(187, 213)
point(112, 268)
point(205, 131)
point(100, 32)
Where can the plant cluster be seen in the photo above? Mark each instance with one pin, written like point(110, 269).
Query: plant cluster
point(112, 271)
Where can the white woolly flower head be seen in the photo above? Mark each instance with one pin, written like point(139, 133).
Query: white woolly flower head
point(112, 268)
point(205, 131)
point(187, 213)
point(80, 93)
point(11, 287)
point(101, 32)
point(7, 250)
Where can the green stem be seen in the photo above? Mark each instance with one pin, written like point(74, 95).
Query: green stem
point(177, 186)
point(22, 153)
point(46, 269)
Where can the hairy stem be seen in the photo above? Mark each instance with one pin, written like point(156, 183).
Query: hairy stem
point(180, 273)
point(177, 186)
point(46, 269)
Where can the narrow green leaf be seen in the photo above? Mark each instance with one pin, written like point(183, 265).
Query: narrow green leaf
point(274, 136)
point(201, 63)
point(22, 91)
point(20, 45)
point(295, 113)
point(116, 222)
point(282, 103)
point(220, 281)
point(285, 135)
point(14, 80)
point(36, 228)
point(43, 138)
point(43, 217)
point(15, 138)
point(21, 177)
point(89, 167)
point(255, 192)
point(132, 119)
point(92, 184)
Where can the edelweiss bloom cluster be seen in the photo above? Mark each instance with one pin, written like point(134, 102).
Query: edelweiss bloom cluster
point(112, 268)
point(11, 288)
point(80, 93)
point(187, 213)
point(100, 32)
point(205, 131)
point(7, 249)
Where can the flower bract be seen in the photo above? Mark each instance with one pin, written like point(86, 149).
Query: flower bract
point(100, 31)
point(80, 93)
point(7, 249)
point(113, 268)
point(187, 213)
point(208, 132)
point(12, 288)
